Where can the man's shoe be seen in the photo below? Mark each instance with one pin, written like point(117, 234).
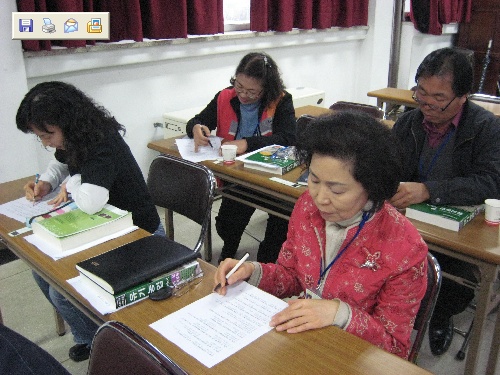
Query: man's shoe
point(79, 352)
point(440, 336)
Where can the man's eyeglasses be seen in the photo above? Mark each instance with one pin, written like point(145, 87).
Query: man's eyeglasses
point(251, 94)
point(187, 285)
point(430, 106)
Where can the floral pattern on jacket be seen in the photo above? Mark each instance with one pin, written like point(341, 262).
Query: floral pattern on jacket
point(382, 275)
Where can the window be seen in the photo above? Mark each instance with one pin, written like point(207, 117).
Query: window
point(236, 15)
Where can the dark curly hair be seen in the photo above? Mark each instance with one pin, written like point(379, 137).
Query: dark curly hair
point(261, 66)
point(361, 141)
point(83, 123)
point(453, 61)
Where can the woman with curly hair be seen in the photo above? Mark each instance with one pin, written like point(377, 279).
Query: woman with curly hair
point(359, 264)
point(93, 164)
point(254, 112)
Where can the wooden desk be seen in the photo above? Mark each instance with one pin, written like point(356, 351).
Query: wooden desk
point(319, 352)
point(393, 96)
point(477, 243)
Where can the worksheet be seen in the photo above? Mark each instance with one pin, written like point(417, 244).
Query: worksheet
point(227, 323)
point(21, 208)
point(186, 149)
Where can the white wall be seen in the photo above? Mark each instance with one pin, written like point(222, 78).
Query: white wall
point(137, 85)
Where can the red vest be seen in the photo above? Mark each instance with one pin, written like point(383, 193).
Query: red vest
point(227, 119)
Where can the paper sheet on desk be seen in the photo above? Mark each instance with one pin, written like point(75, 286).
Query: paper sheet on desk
point(57, 254)
point(227, 323)
point(22, 208)
point(97, 303)
point(186, 149)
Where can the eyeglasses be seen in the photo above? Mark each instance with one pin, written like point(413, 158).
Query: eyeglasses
point(250, 94)
point(187, 285)
point(431, 106)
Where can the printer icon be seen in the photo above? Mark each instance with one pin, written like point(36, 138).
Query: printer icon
point(70, 26)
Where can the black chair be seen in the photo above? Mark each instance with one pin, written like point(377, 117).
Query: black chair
point(185, 188)
point(372, 110)
point(426, 306)
point(118, 350)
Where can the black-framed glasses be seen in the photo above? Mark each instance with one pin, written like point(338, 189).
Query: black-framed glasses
point(251, 94)
point(431, 106)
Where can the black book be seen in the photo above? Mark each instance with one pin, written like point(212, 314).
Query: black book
point(134, 263)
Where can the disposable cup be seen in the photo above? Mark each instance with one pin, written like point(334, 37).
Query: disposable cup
point(492, 211)
point(229, 154)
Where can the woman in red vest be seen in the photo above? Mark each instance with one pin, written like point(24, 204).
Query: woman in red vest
point(255, 111)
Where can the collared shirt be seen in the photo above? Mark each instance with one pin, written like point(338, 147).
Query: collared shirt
point(434, 135)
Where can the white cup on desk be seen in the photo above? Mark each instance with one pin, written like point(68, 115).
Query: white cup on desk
point(492, 211)
point(229, 154)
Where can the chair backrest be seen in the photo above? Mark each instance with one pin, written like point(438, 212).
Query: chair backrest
point(372, 110)
point(117, 350)
point(426, 305)
point(485, 98)
point(183, 187)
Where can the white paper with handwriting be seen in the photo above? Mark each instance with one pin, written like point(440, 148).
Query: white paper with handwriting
point(215, 327)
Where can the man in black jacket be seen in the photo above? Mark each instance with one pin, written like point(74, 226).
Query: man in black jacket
point(451, 156)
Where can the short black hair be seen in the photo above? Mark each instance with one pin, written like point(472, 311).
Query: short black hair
point(360, 140)
point(261, 66)
point(453, 61)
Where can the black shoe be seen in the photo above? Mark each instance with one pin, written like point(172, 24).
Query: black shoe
point(440, 335)
point(79, 352)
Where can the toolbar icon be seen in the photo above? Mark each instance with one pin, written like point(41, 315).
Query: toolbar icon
point(26, 25)
point(94, 25)
point(70, 26)
point(48, 26)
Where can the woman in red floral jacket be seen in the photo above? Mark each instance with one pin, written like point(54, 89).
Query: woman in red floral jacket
point(360, 264)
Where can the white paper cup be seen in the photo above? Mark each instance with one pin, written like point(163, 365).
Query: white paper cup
point(229, 154)
point(492, 211)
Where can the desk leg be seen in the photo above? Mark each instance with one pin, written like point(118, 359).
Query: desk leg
point(488, 274)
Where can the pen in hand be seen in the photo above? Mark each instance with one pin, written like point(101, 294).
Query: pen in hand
point(205, 134)
point(37, 177)
point(233, 270)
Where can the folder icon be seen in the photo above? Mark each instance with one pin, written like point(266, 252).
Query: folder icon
point(70, 26)
point(94, 26)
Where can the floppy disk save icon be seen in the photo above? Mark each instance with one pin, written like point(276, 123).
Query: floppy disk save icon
point(70, 25)
point(94, 26)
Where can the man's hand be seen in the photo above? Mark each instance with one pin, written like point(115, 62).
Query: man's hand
point(410, 193)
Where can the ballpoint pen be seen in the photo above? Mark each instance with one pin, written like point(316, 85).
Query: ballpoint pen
point(37, 177)
point(233, 270)
point(203, 132)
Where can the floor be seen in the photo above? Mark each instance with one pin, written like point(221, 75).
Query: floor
point(25, 310)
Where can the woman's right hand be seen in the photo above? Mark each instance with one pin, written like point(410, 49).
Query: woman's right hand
point(200, 136)
point(242, 273)
point(35, 192)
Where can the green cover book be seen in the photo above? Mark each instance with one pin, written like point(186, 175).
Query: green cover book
point(448, 217)
point(266, 159)
point(76, 228)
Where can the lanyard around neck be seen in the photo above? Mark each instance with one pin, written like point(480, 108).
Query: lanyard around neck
point(423, 177)
point(366, 216)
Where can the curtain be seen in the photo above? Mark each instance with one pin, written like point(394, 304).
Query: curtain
point(428, 16)
point(135, 19)
point(284, 15)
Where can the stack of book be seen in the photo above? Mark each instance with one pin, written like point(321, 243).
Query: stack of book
point(132, 272)
point(447, 217)
point(272, 159)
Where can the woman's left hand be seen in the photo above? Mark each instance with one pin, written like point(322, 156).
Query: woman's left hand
point(304, 314)
point(61, 197)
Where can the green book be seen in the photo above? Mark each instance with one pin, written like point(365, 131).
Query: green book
point(448, 217)
point(269, 159)
point(76, 228)
point(143, 290)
